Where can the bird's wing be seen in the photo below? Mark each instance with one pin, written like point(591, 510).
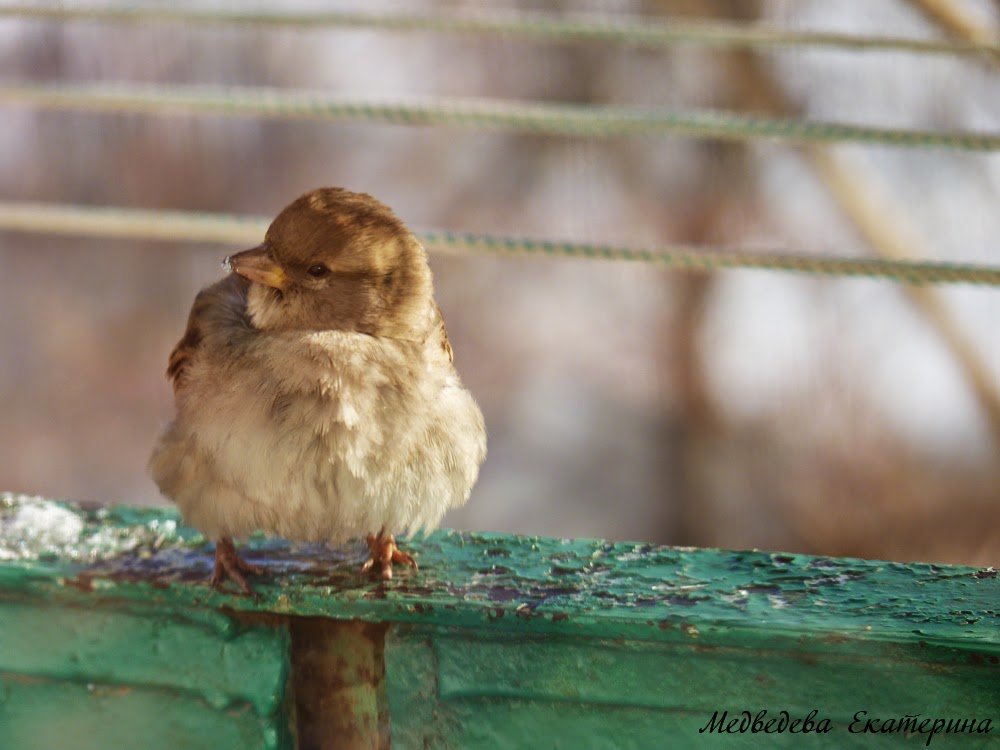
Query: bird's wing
point(217, 308)
point(440, 333)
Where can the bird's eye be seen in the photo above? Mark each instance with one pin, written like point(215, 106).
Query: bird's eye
point(317, 271)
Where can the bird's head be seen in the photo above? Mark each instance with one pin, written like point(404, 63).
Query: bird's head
point(337, 260)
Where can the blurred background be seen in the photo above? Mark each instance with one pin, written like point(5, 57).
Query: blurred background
point(739, 409)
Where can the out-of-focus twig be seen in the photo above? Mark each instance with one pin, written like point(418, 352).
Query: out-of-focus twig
point(957, 20)
point(889, 233)
point(887, 230)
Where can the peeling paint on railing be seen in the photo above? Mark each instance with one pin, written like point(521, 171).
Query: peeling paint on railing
point(508, 624)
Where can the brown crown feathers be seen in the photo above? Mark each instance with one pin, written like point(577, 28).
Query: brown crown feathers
point(338, 260)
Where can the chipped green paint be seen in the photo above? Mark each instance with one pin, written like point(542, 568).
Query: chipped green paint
point(624, 693)
point(37, 714)
point(532, 584)
point(118, 647)
point(495, 641)
point(74, 677)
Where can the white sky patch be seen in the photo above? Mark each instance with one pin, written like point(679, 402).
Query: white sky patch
point(760, 340)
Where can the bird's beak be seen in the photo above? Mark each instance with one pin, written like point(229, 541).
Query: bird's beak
point(257, 265)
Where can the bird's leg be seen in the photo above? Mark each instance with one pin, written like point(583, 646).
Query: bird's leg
point(384, 552)
point(229, 565)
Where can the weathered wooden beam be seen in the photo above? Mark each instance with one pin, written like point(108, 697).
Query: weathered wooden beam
point(109, 633)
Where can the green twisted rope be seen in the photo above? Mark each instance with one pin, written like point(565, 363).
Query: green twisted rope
point(248, 230)
point(645, 32)
point(549, 119)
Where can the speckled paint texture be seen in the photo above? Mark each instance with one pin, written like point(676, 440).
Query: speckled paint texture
point(496, 641)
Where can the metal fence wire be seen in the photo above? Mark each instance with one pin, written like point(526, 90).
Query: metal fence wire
point(536, 118)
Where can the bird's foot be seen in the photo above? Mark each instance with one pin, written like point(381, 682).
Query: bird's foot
point(230, 565)
point(384, 553)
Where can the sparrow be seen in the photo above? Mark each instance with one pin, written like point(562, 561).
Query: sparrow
point(315, 391)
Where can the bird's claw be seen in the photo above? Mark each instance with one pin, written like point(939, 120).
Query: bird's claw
point(383, 550)
point(230, 565)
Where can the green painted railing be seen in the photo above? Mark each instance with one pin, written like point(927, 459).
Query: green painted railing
point(110, 637)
